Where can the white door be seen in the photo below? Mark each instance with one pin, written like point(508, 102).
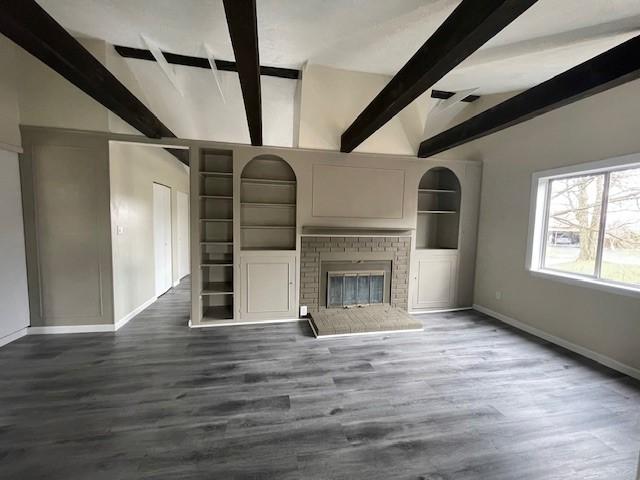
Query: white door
point(183, 234)
point(162, 237)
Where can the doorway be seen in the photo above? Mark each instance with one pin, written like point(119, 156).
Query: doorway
point(162, 237)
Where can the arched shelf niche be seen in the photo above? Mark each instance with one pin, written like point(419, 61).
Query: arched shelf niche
point(268, 204)
point(438, 221)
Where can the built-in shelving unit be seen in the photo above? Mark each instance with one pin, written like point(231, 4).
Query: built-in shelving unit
point(268, 205)
point(438, 210)
point(216, 235)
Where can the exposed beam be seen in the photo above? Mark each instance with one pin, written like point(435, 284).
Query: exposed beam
point(469, 27)
point(243, 29)
point(33, 29)
point(610, 69)
point(444, 95)
point(200, 62)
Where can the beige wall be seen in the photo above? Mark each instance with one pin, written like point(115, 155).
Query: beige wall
point(331, 99)
point(596, 128)
point(65, 191)
point(14, 300)
point(133, 170)
point(9, 112)
point(47, 99)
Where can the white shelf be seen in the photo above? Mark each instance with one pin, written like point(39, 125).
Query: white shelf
point(424, 212)
point(268, 181)
point(216, 197)
point(216, 264)
point(216, 174)
point(216, 243)
point(269, 227)
point(217, 288)
point(268, 205)
point(222, 220)
point(435, 190)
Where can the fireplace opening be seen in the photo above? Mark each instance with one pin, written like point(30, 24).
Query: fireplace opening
point(348, 289)
point(355, 283)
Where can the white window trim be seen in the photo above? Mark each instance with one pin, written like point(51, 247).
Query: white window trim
point(537, 204)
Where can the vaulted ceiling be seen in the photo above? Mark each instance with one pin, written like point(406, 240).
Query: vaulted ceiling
point(376, 36)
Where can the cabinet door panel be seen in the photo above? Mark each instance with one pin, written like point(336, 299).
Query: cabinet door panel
point(268, 286)
point(435, 282)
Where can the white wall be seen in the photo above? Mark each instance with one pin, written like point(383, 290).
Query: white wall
point(133, 169)
point(14, 300)
point(602, 126)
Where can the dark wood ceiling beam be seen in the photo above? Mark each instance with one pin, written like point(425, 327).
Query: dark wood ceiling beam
point(33, 29)
point(200, 62)
point(444, 95)
point(243, 29)
point(610, 69)
point(469, 27)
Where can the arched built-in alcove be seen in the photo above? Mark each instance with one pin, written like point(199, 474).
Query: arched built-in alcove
point(268, 205)
point(438, 221)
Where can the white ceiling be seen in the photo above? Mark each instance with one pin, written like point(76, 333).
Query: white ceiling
point(376, 36)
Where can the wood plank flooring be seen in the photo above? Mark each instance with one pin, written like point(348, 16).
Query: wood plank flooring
point(468, 398)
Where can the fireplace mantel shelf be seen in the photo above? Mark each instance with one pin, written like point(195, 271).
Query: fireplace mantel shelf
point(315, 231)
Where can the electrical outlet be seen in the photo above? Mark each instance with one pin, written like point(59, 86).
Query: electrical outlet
point(303, 310)
point(498, 295)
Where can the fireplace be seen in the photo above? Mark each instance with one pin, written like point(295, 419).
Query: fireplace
point(356, 269)
point(355, 282)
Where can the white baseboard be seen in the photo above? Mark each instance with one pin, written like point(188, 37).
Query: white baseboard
point(585, 352)
point(13, 336)
point(60, 329)
point(124, 320)
point(228, 323)
point(444, 310)
point(176, 283)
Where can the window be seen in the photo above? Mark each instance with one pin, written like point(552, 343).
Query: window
point(586, 223)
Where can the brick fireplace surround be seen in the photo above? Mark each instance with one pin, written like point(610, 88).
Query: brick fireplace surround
point(315, 249)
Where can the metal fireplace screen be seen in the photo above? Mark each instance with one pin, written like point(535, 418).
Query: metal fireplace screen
point(355, 288)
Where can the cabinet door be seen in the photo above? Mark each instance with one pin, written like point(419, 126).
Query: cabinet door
point(268, 286)
point(435, 280)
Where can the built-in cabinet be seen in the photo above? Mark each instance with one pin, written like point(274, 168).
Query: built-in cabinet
point(246, 228)
point(435, 259)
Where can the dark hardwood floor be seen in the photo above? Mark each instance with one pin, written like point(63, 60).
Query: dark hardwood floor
point(467, 399)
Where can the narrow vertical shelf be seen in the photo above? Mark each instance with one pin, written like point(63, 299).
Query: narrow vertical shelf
point(215, 198)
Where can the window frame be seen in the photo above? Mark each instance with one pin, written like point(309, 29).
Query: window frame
point(539, 221)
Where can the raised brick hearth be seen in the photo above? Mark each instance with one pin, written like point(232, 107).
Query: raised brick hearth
point(316, 249)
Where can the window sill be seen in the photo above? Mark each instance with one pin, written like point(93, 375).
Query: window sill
point(577, 280)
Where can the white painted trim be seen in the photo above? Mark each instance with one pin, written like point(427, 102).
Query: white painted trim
point(13, 336)
point(60, 329)
point(124, 320)
point(537, 213)
point(11, 148)
point(231, 322)
point(444, 310)
point(175, 284)
point(585, 352)
point(356, 334)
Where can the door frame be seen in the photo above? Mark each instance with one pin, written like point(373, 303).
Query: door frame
point(170, 237)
